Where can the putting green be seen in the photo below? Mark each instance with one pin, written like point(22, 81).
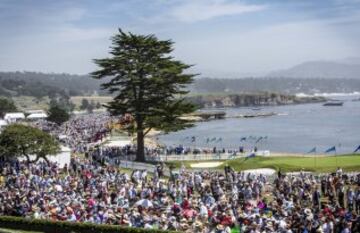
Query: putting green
point(292, 163)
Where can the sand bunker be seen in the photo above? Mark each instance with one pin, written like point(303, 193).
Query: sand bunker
point(264, 171)
point(206, 164)
point(118, 143)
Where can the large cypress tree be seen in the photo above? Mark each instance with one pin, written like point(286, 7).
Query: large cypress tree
point(147, 83)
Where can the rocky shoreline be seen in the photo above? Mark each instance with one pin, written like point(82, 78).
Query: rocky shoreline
point(251, 100)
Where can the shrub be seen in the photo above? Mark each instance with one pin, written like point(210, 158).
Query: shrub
point(47, 226)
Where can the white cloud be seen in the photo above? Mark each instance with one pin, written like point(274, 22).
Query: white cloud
point(265, 49)
point(199, 10)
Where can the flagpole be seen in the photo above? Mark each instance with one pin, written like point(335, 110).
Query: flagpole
point(315, 160)
point(336, 159)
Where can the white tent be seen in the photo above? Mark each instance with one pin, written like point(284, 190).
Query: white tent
point(3, 123)
point(34, 111)
point(36, 116)
point(14, 116)
point(61, 158)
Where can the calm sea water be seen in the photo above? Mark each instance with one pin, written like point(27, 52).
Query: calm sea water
point(297, 129)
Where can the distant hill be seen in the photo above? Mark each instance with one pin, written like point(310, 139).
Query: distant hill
point(47, 85)
point(347, 68)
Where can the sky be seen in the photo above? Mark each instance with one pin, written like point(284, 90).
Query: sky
point(219, 37)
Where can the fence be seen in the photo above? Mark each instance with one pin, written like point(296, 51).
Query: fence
point(141, 166)
point(203, 156)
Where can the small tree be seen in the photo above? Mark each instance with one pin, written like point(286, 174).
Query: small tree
point(148, 84)
point(91, 107)
point(63, 101)
point(6, 105)
point(57, 114)
point(20, 140)
point(84, 104)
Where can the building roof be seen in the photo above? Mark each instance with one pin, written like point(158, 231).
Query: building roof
point(32, 111)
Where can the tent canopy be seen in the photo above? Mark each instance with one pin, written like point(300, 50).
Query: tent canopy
point(3, 123)
point(14, 116)
point(37, 116)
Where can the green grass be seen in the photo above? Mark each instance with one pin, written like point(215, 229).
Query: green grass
point(290, 164)
point(101, 99)
point(29, 102)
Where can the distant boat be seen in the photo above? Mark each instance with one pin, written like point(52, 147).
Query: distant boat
point(333, 103)
point(256, 109)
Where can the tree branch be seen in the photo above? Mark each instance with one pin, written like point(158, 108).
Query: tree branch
point(148, 130)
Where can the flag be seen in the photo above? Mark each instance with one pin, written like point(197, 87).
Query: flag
point(357, 149)
point(259, 139)
point(249, 156)
point(193, 139)
point(213, 139)
point(242, 139)
point(313, 150)
point(219, 140)
point(207, 140)
point(331, 149)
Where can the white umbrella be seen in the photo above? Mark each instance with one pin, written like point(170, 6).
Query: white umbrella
point(144, 203)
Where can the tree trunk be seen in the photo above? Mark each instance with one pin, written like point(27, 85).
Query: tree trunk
point(140, 153)
point(46, 160)
point(27, 159)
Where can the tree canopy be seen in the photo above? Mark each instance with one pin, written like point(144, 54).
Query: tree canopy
point(6, 105)
point(18, 140)
point(147, 83)
point(57, 114)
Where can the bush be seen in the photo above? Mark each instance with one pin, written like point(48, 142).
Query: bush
point(47, 226)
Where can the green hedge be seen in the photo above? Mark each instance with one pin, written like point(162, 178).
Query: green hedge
point(18, 223)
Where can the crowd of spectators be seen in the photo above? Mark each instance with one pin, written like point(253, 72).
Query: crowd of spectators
point(189, 201)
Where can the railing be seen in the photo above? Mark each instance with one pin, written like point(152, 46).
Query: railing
point(203, 156)
point(192, 157)
point(141, 166)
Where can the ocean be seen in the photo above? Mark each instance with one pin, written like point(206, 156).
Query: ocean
point(296, 129)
